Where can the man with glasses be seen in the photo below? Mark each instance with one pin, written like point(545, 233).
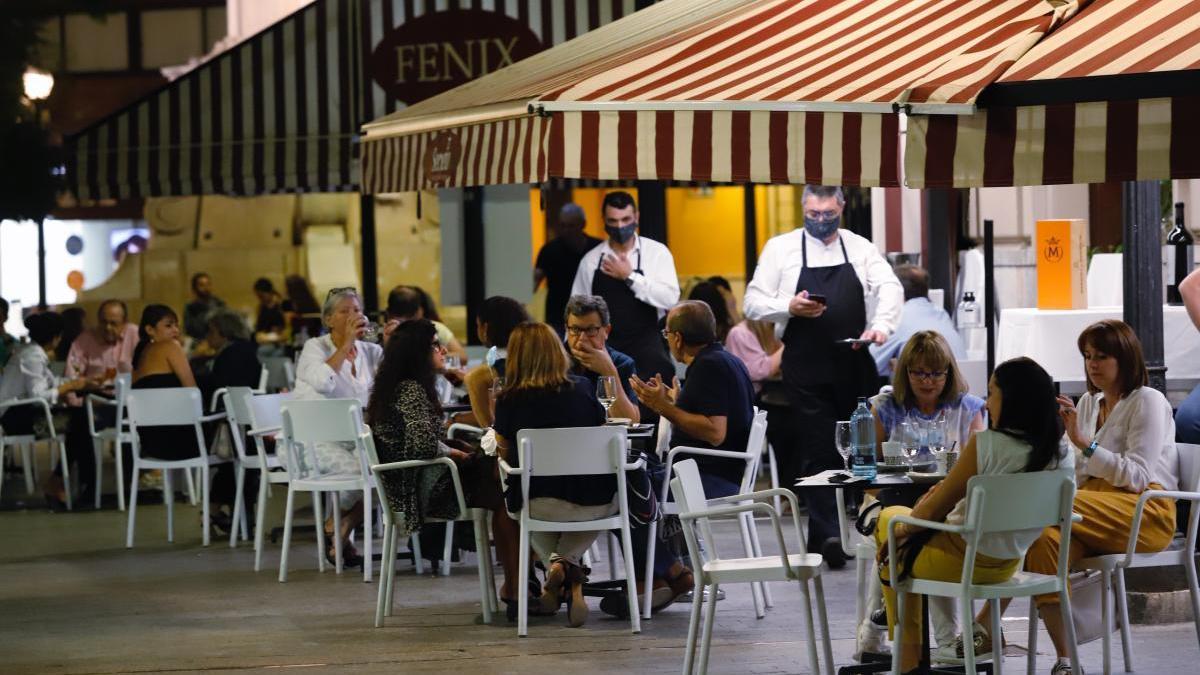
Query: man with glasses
point(815, 281)
point(918, 314)
point(588, 327)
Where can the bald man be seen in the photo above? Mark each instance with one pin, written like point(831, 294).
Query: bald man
point(559, 259)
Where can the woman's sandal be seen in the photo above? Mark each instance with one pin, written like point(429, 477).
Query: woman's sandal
point(350, 556)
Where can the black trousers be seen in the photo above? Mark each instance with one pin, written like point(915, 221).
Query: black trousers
point(80, 452)
point(815, 411)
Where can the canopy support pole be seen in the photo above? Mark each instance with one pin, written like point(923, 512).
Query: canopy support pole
point(1142, 271)
point(473, 258)
point(750, 224)
point(652, 209)
point(41, 224)
point(989, 292)
point(370, 262)
point(942, 214)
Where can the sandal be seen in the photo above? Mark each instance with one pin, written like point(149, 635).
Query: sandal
point(577, 609)
point(350, 556)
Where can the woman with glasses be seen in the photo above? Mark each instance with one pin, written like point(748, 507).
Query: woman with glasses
point(339, 364)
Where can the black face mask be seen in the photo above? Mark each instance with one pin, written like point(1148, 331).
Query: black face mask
point(621, 234)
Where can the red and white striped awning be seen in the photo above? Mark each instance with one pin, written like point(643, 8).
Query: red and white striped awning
point(1112, 95)
point(783, 91)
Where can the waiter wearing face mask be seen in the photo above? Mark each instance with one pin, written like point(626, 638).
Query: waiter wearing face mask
point(815, 281)
point(636, 277)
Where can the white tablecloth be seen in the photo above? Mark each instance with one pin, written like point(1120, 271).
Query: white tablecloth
point(1049, 336)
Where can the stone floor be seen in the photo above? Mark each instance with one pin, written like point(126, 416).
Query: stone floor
point(75, 600)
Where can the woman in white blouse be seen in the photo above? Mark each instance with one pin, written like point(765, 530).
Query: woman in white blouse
point(1123, 434)
point(27, 375)
point(340, 365)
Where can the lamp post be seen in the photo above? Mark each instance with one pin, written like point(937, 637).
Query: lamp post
point(38, 85)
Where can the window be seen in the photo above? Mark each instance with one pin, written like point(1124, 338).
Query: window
point(97, 44)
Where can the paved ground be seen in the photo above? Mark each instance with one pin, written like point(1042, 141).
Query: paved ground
point(74, 600)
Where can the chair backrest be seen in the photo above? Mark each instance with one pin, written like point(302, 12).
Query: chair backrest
point(662, 442)
point(1019, 501)
point(572, 451)
point(688, 490)
point(122, 383)
point(1189, 467)
point(237, 412)
point(265, 410)
point(263, 375)
point(289, 374)
point(170, 406)
point(330, 420)
point(756, 443)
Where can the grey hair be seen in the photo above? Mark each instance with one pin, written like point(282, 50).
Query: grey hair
point(582, 305)
point(822, 192)
point(335, 296)
point(229, 324)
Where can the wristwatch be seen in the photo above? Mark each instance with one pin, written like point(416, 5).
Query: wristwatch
point(629, 280)
point(1090, 449)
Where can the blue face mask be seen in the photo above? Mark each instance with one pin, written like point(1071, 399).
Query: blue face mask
point(621, 234)
point(821, 229)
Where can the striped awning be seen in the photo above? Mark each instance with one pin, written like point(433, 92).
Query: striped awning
point(1112, 95)
point(784, 91)
point(276, 113)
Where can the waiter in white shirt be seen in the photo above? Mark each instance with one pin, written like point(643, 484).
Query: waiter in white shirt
point(636, 277)
point(817, 280)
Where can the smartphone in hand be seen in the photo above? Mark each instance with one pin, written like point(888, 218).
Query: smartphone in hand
point(817, 297)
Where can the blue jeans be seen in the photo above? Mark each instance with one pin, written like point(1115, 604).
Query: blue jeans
point(1187, 419)
point(664, 557)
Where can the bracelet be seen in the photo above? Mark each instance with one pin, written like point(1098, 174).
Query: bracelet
point(1091, 449)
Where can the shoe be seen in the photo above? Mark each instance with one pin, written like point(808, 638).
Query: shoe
point(833, 554)
point(551, 597)
point(350, 556)
point(879, 618)
point(1063, 667)
point(983, 647)
point(872, 640)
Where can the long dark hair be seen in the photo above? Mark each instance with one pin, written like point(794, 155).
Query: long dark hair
point(1029, 410)
point(710, 294)
point(501, 315)
point(150, 317)
point(298, 291)
point(407, 356)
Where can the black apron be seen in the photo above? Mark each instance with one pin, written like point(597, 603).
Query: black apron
point(635, 328)
point(812, 355)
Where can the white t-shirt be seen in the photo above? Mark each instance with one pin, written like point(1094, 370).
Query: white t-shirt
point(998, 453)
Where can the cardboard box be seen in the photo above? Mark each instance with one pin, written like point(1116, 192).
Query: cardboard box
point(1062, 247)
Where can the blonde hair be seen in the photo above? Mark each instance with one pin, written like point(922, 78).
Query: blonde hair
point(931, 350)
point(536, 360)
point(764, 331)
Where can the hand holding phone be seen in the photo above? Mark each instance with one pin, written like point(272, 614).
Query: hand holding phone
point(817, 297)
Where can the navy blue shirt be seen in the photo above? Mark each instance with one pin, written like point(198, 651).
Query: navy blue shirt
point(718, 385)
point(572, 406)
point(625, 370)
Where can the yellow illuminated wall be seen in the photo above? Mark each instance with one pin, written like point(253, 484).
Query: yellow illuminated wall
point(705, 231)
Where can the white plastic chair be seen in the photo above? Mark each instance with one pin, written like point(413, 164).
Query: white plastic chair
point(117, 434)
point(487, 581)
point(998, 503)
point(761, 595)
point(263, 376)
point(306, 423)
point(26, 442)
point(712, 570)
point(576, 451)
point(266, 419)
point(1116, 564)
point(175, 406)
point(237, 411)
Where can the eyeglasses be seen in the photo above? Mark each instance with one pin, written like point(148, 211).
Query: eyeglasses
point(436, 345)
point(344, 289)
point(928, 375)
point(822, 216)
point(666, 333)
point(589, 331)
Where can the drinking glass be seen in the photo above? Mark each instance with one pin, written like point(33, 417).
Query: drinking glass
point(370, 331)
point(935, 436)
point(452, 362)
point(842, 438)
point(606, 392)
point(910, 440)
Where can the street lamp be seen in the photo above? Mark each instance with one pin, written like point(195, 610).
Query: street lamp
point(38, 85)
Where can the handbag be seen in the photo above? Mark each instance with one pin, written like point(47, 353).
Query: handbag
point(1087, 594)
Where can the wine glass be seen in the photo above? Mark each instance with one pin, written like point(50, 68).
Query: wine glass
point(606, 392)
point(935, 437)
point(842, 438)
point(910, 440)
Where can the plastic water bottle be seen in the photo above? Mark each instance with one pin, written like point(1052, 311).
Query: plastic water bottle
point(862, 437)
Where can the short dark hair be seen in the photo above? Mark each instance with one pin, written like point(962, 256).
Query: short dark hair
point(914, 280)
point(264, 285)
point(694, 321)
point(404, 302)
point(1116, 339)
point(501, 315)
point(582, 305)
point(43, 327)
point(710, 294)
point(618, 200)
point(197, 277)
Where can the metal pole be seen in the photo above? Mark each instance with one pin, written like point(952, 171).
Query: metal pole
point(370, 265)
point(989, 292)
point(750, 217)
point(1142, 272)
point(41, 224)
point(474, 261)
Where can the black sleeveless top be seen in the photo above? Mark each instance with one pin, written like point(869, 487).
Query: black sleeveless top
point(175, 442)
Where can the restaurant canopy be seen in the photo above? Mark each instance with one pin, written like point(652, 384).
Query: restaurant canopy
point(1112, 95)
point(770, 91)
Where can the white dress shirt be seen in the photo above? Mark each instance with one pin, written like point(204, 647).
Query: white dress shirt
point(1136, 445)
point(316, 380)
point(657, 285)
point(28, 375)
point(778, 270)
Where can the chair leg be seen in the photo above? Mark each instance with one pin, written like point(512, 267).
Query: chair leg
point(98, 454)
point(811, 625)
point(483, 552)
point(133, 481)
point(335, 509)
point(29, 467)
point(381, 599)
point(612, 558)
point(774, 478)
point(648, 578)
point(693, 627)
point(239, 480)
point(748, 548)
point(191, 485)
point(391, 579)
point(51, 445)
point(205, 515)
point(2, 448)
point(768, 601)
point(967, 611)
point(1031, 657)
point(997, 644)
point(1064, 603)
point(710, 620)
point(823, 618)
point(522, 575)
point(260, 514)
point(1123, 615)
point(635, 620)
point(287, 533)
point(414, 544)
point(118, 455)
point(169, 500)
point(447, 548)
point(1189, 567)
point(318, 508)
point(1106, 621)
point(368, 535)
